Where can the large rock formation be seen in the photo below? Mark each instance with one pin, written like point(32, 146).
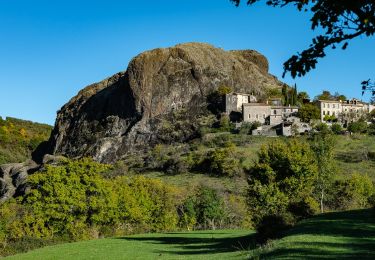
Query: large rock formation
point(129, 110)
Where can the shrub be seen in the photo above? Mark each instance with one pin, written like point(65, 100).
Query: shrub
point(222, 162)
point(273, 226)
point(357, 127)
point(145, 204)
point(336, 129)
point(322, 127)
point(353, 193)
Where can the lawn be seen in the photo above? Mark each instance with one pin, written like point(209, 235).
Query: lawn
point(219, 244)
point(341, 235)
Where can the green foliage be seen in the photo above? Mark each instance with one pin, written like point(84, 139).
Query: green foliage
point(353, 192)
point(322, 144)
point(357, 127)
point(247, 128)
point(330, 118)
point(284, 174)
point(67, 198)
point(302, 96)
point(145, 204)
point(308, 112)
point(19, 138)
point(322, 127)
point(336, 129)
point(205, 209)
point(224, 90)
point(273, 226)
point(222, 162)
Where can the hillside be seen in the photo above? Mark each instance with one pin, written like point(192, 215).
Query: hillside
point(18, 138)
point(349, 234)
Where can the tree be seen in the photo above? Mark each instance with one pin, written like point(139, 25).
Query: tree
point(308, 112)
point(294, 95)
point(341, 21)
point(283, 176)
point(339, 97)
point(336, 128)
point(326, 95)
point(322, 145)
point(357, 127)
point(302, 96)
point(284, 92)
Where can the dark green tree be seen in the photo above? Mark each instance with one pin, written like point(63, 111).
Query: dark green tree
point(302, 96)
point(308, 112)
point(339, 21)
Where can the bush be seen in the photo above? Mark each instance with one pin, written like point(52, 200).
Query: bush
point(357, 127)
point(322, 127)
point(222, 162)
point(352, 193)
point(336, 129)
point(273, 226)
point(204, 209)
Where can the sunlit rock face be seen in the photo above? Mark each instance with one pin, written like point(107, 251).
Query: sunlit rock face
point(129, 111)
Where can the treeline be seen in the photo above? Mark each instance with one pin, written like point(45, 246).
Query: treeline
point(19, 138)
point(73, 200)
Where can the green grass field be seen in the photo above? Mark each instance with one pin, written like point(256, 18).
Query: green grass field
point(341, 235)
point(219, 244)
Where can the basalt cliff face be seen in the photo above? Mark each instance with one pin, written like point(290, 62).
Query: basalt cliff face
point(128, 111)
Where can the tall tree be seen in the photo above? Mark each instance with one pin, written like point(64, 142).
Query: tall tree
point(322, 145)
point(295, 95)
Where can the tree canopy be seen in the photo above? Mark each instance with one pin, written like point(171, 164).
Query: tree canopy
point(340, 21)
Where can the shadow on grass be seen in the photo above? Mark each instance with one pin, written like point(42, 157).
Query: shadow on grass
point(349, 234)
point(186, 245)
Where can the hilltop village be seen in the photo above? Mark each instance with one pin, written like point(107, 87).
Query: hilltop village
point(274, 118)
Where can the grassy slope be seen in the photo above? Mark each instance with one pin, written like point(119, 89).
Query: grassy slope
point(18, 138)
point(340, 235)
point(348, 154)
point(219, 244)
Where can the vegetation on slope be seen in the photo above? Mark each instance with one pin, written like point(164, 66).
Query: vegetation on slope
point(336, 235)
point(19, 138)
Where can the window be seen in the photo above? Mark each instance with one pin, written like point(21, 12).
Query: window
point(249, 116)
point(324, 112)
point(327, 105)
point(274, 112)
point(324, 105)
point(257, 116)
point(264, 116)
point(327, 112)
point(333, 106)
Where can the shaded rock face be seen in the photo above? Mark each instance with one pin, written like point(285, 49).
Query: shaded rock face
point(13, 178)
point(128, 111)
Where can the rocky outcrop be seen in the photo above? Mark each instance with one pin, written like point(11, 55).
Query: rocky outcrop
point(13, 178)
point(130, 110)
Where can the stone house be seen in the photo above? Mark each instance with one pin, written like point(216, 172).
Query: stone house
point(234, 101)
point(344, 111)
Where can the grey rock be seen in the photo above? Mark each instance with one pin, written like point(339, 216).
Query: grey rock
point(128, 111)
point(13, 178)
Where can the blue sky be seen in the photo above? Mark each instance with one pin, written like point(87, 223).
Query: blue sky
point(49, 50)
